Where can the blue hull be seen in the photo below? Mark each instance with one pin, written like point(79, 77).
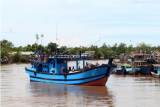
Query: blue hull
point(155, 75)
point(120, 71)
point(132, 72)
point(145, 70)
point(99, 73)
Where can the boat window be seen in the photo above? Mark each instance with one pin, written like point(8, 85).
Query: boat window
point(137, 63)
point(143, 63)
point(57, 61)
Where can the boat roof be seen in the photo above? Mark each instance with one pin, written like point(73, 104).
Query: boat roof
point(140, 61)
point(61, 57)
point(157, 65)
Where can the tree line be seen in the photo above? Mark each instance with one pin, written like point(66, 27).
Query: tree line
point(7, 47)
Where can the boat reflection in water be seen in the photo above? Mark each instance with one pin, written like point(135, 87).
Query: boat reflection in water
point(49, 94)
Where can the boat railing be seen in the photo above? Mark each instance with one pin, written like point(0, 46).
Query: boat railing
point(40, 57)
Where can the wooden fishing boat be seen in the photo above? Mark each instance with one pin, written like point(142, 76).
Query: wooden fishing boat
point(156, 70)
point(119, 70)
point(130, 70)
point(143, 68)
point(123, 69)
point(55, 70)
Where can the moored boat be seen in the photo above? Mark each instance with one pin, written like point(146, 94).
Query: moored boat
point(143, 68)
point(55, 70)
point(120, 70)
point(130, 70)
point(156, 70)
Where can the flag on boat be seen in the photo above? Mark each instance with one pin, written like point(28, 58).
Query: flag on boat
point(81, 46)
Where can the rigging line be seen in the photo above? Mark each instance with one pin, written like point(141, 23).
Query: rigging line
point(98, 40)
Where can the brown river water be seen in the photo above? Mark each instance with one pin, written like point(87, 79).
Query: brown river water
point(119, 91)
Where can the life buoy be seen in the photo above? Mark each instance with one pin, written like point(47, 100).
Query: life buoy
point(45, 59)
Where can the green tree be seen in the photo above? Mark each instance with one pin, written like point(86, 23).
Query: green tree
point(17, 56)
point(54, 47)
point(6, 48)
point(129, 49)
point(34, 47)
point(114, 48)
point(28, 48)
point(64, 50)
point(104, 50)
point(122, 48)
point(158, 48)
point(97, 53)
point(144, 47)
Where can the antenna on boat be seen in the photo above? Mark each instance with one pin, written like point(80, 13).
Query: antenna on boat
point(41, 41)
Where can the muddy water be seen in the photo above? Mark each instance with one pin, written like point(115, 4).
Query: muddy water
point(120, 91)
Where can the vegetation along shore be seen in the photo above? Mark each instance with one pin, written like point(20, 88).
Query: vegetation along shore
point(9, 53)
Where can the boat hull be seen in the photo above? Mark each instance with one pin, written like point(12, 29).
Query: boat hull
point(155, 75)
point(122, 71)
point(132, 72)
point(97, 76)
point(145, 70)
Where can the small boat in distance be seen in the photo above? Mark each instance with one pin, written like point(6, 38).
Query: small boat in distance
point(55, 70)
point(129, 69)
point(156, 70)
point(125, 69)
point(120, 70)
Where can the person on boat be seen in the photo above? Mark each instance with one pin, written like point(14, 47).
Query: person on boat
point(73, 68)
point(53, 70)
point(39, 58)
point(87, 64)
point(97, 63)
point(45, 59)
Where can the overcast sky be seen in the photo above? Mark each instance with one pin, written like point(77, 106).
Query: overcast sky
point(81, 22)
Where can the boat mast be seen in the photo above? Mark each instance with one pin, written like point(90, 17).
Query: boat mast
point(56, 39)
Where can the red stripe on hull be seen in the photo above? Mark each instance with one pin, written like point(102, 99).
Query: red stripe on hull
point(100, 82)
point(134, 73)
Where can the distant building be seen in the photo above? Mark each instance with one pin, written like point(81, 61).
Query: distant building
point(90, 52)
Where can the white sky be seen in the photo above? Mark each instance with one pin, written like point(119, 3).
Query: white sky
point(81, 22)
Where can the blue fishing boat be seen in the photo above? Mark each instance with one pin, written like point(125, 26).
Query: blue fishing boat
point(119, 70)
point(143, 68)
point(156, 70)
point(125, 70)
point(54, 69)
point(130, 70)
